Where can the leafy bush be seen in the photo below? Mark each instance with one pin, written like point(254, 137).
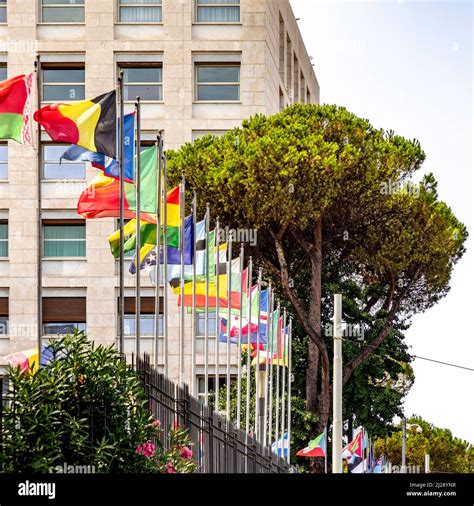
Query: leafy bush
point(86, 407)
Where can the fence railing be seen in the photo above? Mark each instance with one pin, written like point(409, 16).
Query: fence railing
point(219, 446)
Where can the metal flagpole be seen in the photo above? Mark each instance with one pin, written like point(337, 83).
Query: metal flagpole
point(181, 280)
point(229, 316)
point(239, 351)
point(290, 338)
point(270, 400)
point(277, 390)
point(159, 200)
point(121, 310)
point(265, 403)
point(39, 280)
point(165, 267)
point(284, 338)
point(138, 243)
point(258, 399)
point(337, 387)
point(217, 320)
point(248, 368)
point(326, 450)
point(193, 330)
point(206, 312)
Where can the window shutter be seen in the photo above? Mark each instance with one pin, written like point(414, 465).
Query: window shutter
point(64, 309)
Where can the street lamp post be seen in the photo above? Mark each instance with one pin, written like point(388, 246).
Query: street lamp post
point(406, 426)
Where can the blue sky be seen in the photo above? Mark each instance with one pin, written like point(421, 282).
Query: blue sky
point(407, 66)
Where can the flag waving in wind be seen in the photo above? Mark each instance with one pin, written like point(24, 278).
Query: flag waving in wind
point(14, 100)
point(315, 448)
point(91, 124)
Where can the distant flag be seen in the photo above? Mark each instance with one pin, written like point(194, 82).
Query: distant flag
point(109, 166)
point(91, 124)
point(356, 464)
point(147, 230)
point(315, 448)
point(280, 447)
point(354, 447)
point(15, 118)
point(27, 360)
point(148, 253)
point(377, 468)
point(101, 199)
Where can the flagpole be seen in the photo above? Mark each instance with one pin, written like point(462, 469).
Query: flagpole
point(326, 450)
point(258, 414)
point(165, 266)
point(216, 344)
point(138, 243)
point(283, 386)
point(239, 351)
point(193, 330)
point(277, 396)
point(181, 280)
point(206, 314)
point(290, 339)
point(39, 223)
point(121, 219)
point(265, 403)
point(270, 407)
point(229, 316)
point(337, 388)
point(248, 368)
point(159, 200)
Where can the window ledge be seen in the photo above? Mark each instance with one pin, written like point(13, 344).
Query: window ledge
point(4, 259)
point(135, 23)
point(64, 180)
point(60, 259)
point(221, 102)
point(4, 336)
point(61, 24)
point(144, 101)
point(237, 23)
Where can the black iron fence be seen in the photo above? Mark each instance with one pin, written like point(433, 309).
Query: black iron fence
point(219, 446)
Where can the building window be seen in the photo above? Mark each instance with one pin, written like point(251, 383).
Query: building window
point(3, 11)
point(211, 383)
point(217, 82)
point(197, 134)
point(201, 324)
point(3, 238)
point(147, 316)
point(140, 11)
point(63, 84)
point(54, 168)
point(3, 316)
point(62, 315)
point(147, 325)
point(64, 238)
point(308, 96)
point(3, 161)
point(143, 82)
point(62, 11)
point(62, 329)
point(3, 72)
point(218, 11)
point(302, 88)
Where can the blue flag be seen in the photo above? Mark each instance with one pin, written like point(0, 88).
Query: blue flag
point(110, 166)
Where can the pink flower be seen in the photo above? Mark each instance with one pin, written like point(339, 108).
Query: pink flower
point(170, 468)
point(156, 424)
point(186, 453)
point(146, 449)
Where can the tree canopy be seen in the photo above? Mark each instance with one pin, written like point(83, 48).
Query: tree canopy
point(330, 197)
point(448, 454)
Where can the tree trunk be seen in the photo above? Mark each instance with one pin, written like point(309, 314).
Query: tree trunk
point(312, 372)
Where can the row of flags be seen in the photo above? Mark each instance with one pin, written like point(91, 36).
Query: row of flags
point(177, 251)
point(358, 454)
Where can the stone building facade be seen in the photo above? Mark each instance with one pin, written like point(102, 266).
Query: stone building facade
point(200, 66)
